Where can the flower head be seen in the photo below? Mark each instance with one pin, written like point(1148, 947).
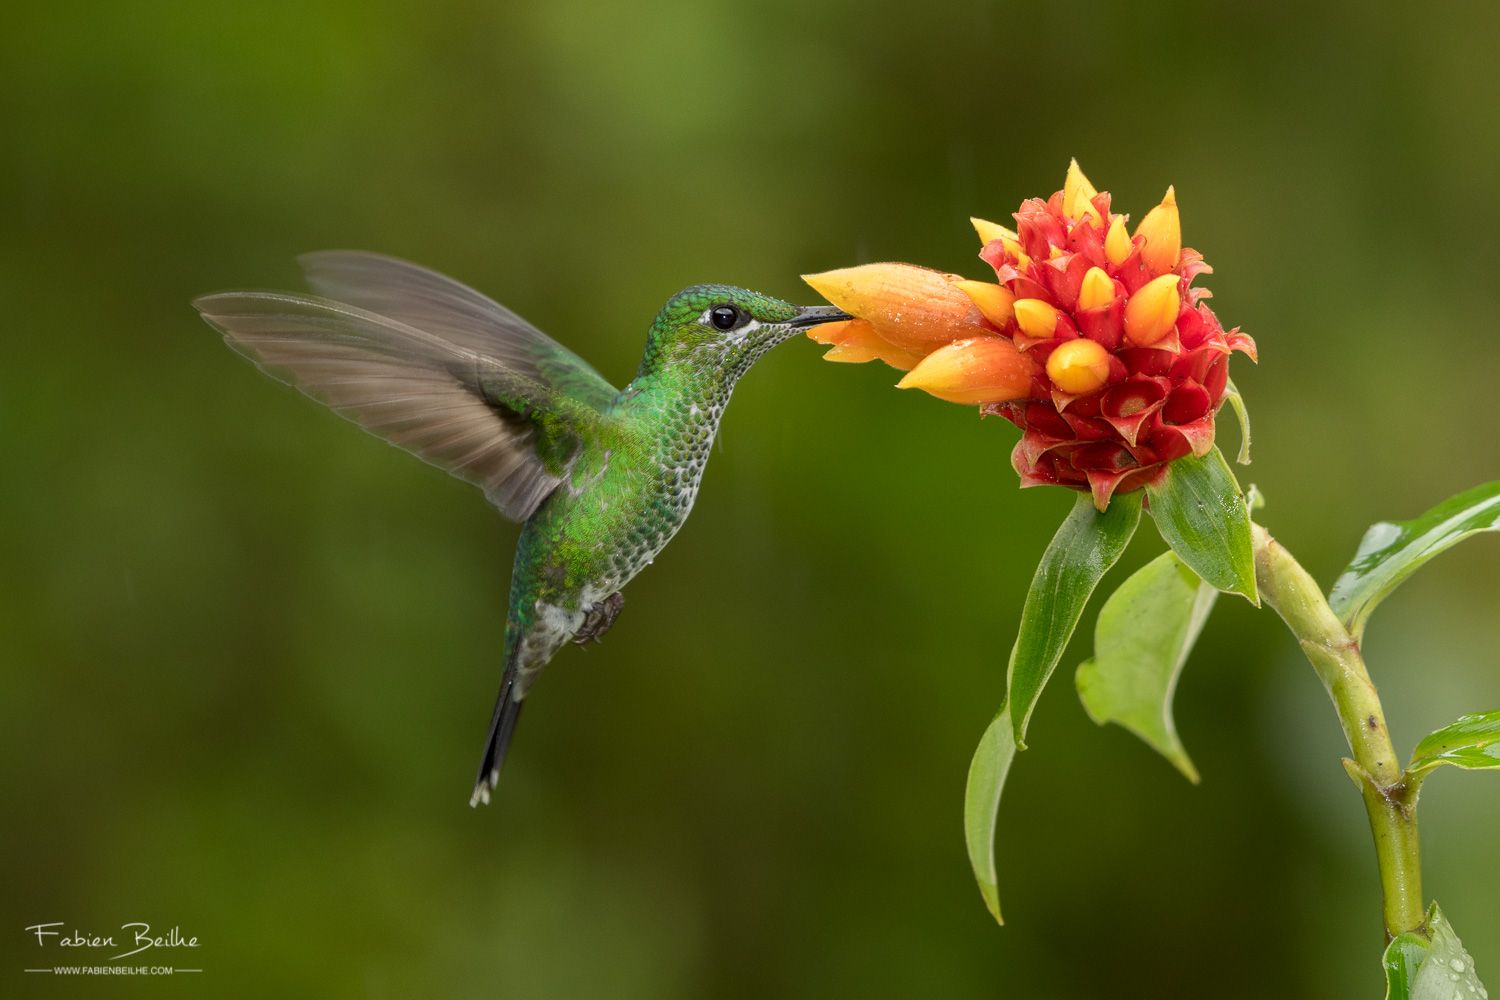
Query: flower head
point(1092, 339)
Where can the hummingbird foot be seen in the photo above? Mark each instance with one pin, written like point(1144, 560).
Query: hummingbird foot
point(599, 617)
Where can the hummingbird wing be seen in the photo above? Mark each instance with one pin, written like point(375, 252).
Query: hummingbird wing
point(468, 408)
point(442, 306)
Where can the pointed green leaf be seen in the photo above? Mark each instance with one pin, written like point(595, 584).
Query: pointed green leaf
point(1086, 545)
point(1448, 971)
point(1472, 742)
point(1403, 957)
point(1143, 636)
point(1390, 552)
point(1237, 403)
point(1200, 511)
point(1431, 965)
point(987, 771)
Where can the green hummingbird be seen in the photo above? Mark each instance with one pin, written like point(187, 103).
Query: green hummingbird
point(600, 478)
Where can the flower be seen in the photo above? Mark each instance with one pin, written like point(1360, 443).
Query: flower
point(905, 312)
point(1092, 339)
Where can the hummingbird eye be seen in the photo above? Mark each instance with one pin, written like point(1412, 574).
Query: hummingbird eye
point(725, 317)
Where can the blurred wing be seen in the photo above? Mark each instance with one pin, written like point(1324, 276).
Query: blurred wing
point(440, 399)
point(441, 306)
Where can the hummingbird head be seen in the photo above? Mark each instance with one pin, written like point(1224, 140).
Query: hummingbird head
point(724, 329)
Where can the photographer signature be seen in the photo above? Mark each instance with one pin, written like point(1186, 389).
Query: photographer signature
point(136, 935)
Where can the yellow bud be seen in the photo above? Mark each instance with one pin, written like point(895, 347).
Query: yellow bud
point(1161, 231)
point(1078, 366)
point(981, 370)
point(1097, 289)
point(1078, 194)
point(1014, 246)
point(913, 308)
point(990, 231)
point(1117, 244)
point(1152, 311)
point(1036, 318)
point(992, 300)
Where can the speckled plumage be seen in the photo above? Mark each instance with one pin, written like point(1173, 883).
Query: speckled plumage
point(628, 491)
point(633, 482)
point(601, 479)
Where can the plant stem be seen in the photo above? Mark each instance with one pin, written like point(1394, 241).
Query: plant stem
point(1389, 800)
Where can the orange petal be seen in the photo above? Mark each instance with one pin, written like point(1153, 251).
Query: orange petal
point(1161, 230)
point(854, 341)
point(981, 370)
point(914, 308)
point(1152, 311)
point(835, 332)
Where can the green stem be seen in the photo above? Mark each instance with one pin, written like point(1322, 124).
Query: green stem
point(1389, 800)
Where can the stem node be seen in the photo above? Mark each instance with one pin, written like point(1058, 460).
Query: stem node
point(1390, 799)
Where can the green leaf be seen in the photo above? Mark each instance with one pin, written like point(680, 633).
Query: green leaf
point(987, 771)
point(1448, 971)
point(1144, 634)
point(1200, 511)
point(1403, 957)
point(1431, 965)
point(1391, 552)
point(1472, 742)
point(1237, 403)
point(1086, 545)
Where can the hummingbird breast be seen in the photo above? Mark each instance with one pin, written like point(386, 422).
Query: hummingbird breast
point(625, 498)
point(664, 482)
point(627, 492)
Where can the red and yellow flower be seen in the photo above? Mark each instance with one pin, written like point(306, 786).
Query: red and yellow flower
point(1092, 339)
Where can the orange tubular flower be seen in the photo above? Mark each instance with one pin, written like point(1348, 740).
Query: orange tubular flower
point(907, 312)
point(1092, 340)
point(978, 370)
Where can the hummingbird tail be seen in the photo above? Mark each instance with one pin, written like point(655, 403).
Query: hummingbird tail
point(502, 728)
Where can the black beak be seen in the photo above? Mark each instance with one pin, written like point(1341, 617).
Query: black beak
point(813, 315)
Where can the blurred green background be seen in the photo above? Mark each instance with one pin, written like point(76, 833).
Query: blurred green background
point(249, 652)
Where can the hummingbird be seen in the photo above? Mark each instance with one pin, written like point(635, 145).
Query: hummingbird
point(599, 478)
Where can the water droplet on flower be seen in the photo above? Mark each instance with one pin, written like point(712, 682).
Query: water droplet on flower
point(1456, 964)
